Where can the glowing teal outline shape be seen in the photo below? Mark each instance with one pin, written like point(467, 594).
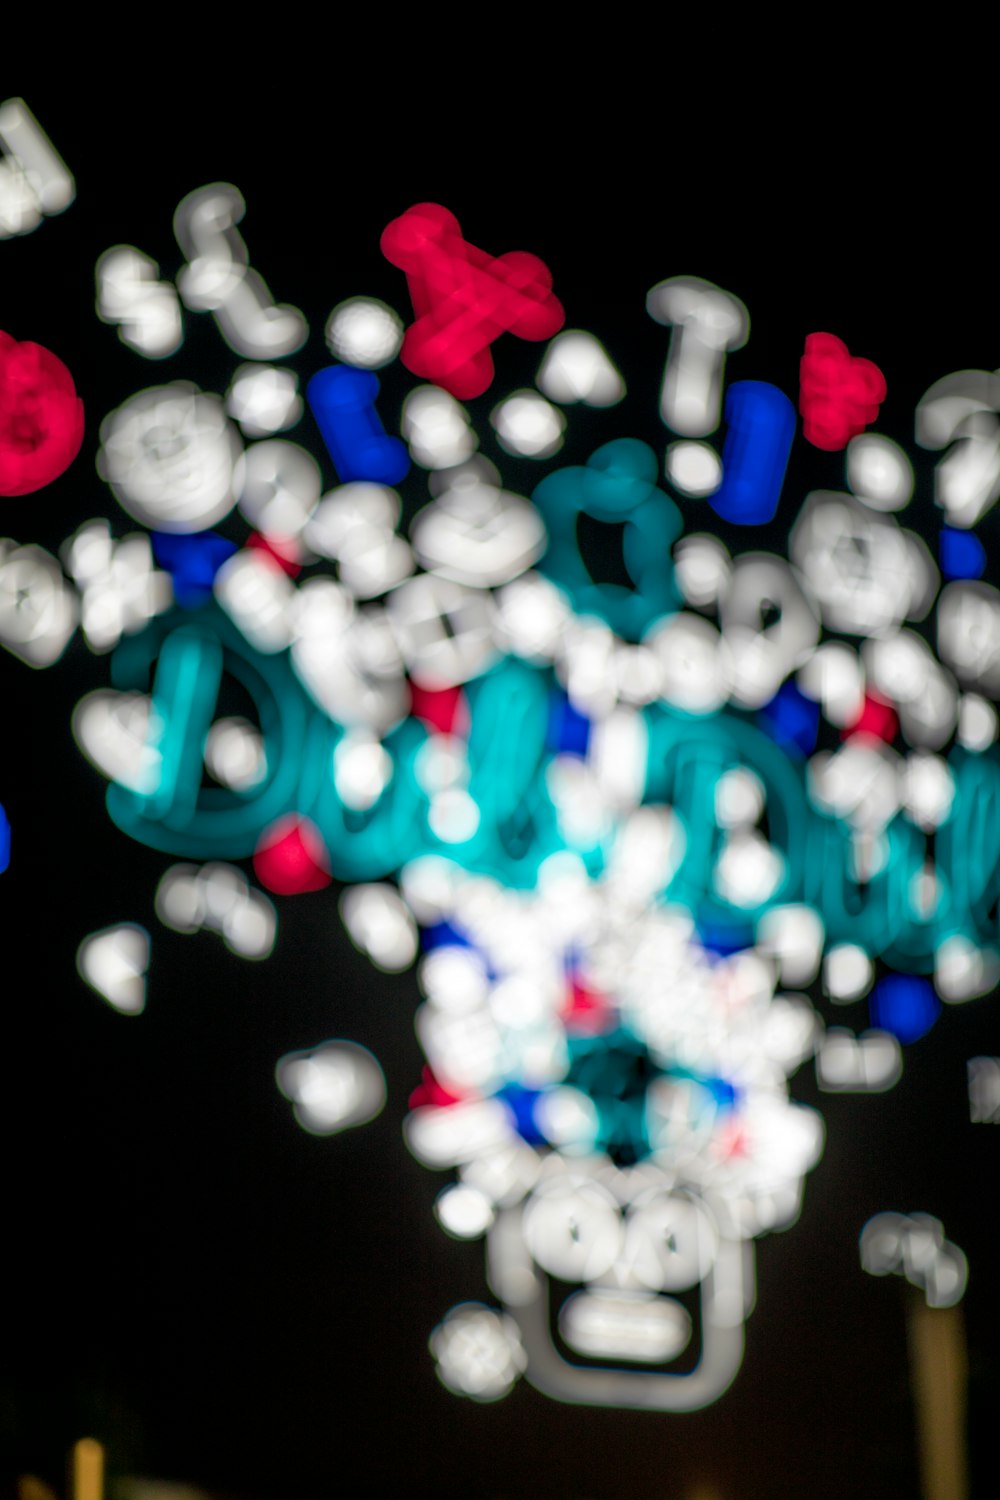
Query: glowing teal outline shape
point(190, 649)
point(618, 483)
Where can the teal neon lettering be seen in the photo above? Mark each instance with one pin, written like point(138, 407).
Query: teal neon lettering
point(181, 659)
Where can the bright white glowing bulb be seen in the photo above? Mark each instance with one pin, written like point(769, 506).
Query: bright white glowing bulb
point(444, 629)
point(264, 399)
point(381, 925)
point(453, 816)
point(620, 1325)
point(38, 612)
point(568, 1119)
point(279, 485)
point(334, 1087)
point(914, 1246)
point(977, 722)
point(120, 587)
point(219, 278)
point(218, 897)
point(695, 661)
point(249, 928)
point(749, 869)
point(694, 468)
point(478, 1352)
point(528, 425)
point(833, 677)
point(705, 323)
point(259, 598)
point(477, 534)
point(879, 472)
point(146, 309)
point(464, 1212)
point(234, 754)
point(962, 970)
point(533, 616)
point(437, 428)
point(362, 769)
point(968, 614)
point(739, 798)
point(670, 1242)
point(869, 1064)
point(573, 1228)
point(459, 1133)
point(928, 788)
point(117, 732)
point(428, 884)
point(848, 973)
point(364, 332)
point(34, 180)
point(114, 963)
point(702, 566)
point(168, 454)
point(577, 367)
point(794, 936)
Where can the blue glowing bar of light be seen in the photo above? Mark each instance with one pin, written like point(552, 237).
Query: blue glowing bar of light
point(342, 400)
point(761, 427)
point(192, 562)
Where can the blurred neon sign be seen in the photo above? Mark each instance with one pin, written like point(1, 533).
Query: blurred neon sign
point(621, 818)
point(179, 661)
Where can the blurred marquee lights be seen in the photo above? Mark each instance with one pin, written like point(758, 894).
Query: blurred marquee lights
point(616, 840)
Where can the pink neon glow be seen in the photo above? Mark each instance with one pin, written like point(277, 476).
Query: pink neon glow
point(291, 857)
point(586, 1011)
point(877, 718)
point(443, 709)
point(286, 552)
point(429, 1091)
point(464, 299)
point(839, 393)
point(41, 417)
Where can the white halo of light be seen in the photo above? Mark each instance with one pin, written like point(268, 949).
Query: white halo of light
point(264, 399)
point(364, 332)
point(695, 469)
point(437, 428)
point(169, 455)
point(114, 963)
point(381, 925)
point(477, 1352)
point(463, 1212)
point(527, 425)
point(879, 472)
point(333, 1087)
point(278, 484)
point(577, 367)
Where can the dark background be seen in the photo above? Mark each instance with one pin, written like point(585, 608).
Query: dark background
point(216, 1296)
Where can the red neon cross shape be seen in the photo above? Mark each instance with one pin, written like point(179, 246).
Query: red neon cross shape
point(464, 299)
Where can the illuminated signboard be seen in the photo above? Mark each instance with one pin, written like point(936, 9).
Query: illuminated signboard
point(667, 811)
